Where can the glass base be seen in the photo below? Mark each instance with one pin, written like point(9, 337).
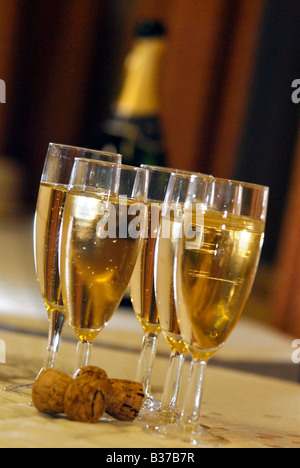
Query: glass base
point(149, 404)
point(159, 418)
point(23, 390)
point(198, 436)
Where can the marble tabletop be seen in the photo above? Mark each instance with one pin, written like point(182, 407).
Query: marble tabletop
point(249, 410)
point(251, 396)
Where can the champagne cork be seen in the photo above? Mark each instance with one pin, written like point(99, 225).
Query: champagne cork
point(124, 399)
point(92, 372)
point(85, 399)
point(49, 390)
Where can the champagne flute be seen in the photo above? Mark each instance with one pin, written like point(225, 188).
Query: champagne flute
point(103, 224)
point(49, 210)
point(169, 230)
point(144, 299)
point(213, 274)
point(142, 285)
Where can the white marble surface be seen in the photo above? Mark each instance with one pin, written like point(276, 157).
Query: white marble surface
point(249, 410)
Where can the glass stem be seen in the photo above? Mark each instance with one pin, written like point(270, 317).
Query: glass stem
point(146, 359)
point(83, 355)
point(170, 395)
point(192, 402)
point(56, 324)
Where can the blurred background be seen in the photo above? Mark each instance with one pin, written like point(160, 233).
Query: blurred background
point(226, 109)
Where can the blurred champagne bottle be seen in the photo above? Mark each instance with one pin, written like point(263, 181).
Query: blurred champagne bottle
point(133, 128)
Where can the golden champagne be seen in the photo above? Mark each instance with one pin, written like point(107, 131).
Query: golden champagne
point(142, 281)
point(97, 259)
point(47, 224)
point(215, 276)
point(164, 284)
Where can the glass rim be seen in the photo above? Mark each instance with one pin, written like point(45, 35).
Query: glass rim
point(224, 181)
point(179, 172)
point(111, 164)
point(91, 150)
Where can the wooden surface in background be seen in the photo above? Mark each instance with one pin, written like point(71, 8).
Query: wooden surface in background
point(236, 79)
point(207, 78)
point(9, 17)
point(284, 311)
point(188, 81)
